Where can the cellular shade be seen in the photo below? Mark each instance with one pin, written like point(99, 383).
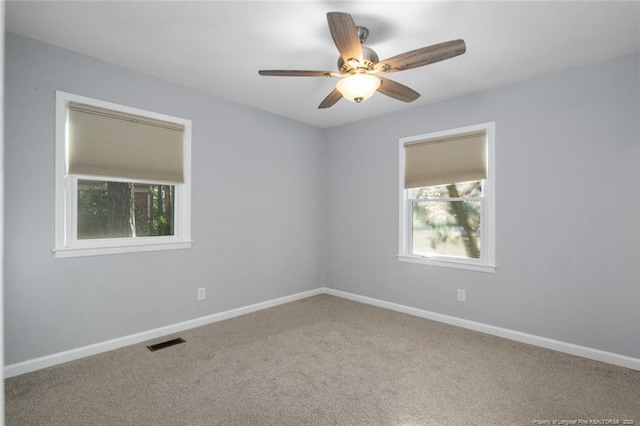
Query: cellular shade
point(459, 158)
point(109, 143)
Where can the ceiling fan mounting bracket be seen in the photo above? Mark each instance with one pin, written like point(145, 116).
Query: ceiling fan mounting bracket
point(363, 34)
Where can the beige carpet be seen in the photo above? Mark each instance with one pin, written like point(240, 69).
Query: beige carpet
point(325, 360)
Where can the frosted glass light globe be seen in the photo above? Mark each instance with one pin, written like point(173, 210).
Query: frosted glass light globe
point(358, 87)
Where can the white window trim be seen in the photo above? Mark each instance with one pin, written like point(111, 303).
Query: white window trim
point(66, 243)
point(487, 262)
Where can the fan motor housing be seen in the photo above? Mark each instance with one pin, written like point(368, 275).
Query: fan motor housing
point(369, 59)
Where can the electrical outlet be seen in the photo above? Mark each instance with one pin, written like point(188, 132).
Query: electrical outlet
point(202, 293)
point(461, 295)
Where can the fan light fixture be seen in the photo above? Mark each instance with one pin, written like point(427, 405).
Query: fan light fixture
point(358, 87)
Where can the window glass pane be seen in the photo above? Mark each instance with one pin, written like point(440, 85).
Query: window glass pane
point(446, 228)
point(456, 190)
point(124, 210)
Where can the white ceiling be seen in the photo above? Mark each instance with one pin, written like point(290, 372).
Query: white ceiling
point(218, 47)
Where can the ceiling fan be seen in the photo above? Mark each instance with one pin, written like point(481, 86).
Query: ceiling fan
point(359, 69)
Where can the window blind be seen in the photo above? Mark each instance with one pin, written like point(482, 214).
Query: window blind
point(109, 143)
point(459, 158)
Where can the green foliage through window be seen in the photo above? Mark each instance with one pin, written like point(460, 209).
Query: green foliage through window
point(446, 220)
point(123, 209)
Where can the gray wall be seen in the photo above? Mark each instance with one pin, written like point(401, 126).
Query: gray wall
point(268, 193)
point(567, 150)
point(257, 208)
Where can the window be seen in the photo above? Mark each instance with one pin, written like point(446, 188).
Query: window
point(122, 179)
point(447, 198)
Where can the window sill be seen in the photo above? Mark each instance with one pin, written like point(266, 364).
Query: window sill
point(65, 252)
point(457, 264)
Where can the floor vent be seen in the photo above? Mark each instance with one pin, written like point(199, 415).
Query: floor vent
point(166, 344)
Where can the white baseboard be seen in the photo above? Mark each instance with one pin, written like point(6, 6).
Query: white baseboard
point(73, 354)
point(556, 345)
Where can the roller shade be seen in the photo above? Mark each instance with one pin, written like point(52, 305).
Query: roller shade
point(460, 158)
point(109, 143)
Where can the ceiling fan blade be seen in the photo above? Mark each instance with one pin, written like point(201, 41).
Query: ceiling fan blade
point(330, 100)
point(345, 36)
point(295, 73)
point(397, 91)
point(423, 56)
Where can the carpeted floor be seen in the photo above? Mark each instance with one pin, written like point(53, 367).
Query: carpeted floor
point(326, 360)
